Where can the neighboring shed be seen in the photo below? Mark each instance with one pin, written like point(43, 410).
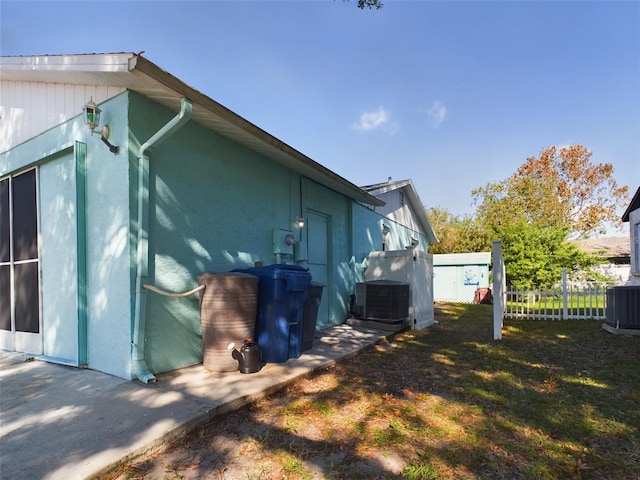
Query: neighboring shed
point(192, 188)
point(457, 276)
point(615, 254)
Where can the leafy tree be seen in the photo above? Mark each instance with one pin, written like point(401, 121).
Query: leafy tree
point(370, 4)
point(534, 212)
point(561, 188)
point(534, 255)
point(377, 4)
point(456, 234)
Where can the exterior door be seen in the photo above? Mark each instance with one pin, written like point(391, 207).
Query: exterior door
point(19, 264)
point(318, 263)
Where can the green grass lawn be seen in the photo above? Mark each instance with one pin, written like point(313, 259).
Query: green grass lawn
point(551, 400)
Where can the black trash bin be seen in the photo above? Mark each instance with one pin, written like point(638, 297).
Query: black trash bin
point(310, 315)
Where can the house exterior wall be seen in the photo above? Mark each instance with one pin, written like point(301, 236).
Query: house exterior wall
point(59, 258)
point(214, 206)
point(89, 290)
point(634, 232)
point(108, 228)
point(334, 208)
point(397, 209)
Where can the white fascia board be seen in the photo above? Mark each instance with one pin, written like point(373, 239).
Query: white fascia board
point(112, 62)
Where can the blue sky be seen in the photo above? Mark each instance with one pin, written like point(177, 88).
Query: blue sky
point(450, 94)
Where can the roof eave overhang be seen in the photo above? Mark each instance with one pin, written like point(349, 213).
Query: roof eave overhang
point(136, 73)
point(422, 215)
point(635, 204)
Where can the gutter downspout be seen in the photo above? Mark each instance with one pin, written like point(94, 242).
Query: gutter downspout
point(139, 364)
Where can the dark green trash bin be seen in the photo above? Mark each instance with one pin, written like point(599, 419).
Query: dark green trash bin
point(310, 315)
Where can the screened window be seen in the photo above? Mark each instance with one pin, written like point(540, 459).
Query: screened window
point(19, 267)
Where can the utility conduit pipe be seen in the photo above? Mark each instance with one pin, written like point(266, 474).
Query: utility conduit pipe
point(170, 294)
point(139, 365)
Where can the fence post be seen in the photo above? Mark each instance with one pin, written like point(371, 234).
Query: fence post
point(499, 290)
point(565, 308)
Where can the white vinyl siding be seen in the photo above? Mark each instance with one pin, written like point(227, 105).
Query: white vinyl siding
point(30, 108)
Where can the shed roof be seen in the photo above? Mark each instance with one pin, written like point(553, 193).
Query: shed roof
point(414, 200)
point(476, 258)
point(606, 247)
point(136, 73)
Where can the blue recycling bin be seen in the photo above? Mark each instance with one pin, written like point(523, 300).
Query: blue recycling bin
point(282, 290)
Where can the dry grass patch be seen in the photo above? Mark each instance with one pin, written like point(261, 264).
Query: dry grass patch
point(550, 400)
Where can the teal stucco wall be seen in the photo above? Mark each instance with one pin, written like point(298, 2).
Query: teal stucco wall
point(84, 222)
point(322, 203)
point(213, 207)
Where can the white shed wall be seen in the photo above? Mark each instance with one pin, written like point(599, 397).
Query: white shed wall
point(398, 210)
point(408, 266)
point(634, 232)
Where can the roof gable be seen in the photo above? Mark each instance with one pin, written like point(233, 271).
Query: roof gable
point(417, 207)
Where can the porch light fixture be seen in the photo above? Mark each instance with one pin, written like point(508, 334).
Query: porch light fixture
point(300, 222)
point(91, 116)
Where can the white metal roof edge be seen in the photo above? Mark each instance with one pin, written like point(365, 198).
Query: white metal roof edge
point(104, 62)
point(384, 187)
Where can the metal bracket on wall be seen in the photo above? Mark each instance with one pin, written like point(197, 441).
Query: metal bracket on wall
point(283, 242)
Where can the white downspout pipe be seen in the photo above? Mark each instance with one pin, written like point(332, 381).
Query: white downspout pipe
point(139, 364)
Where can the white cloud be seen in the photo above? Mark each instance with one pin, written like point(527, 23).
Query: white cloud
point(436, 113)
point(372, 120)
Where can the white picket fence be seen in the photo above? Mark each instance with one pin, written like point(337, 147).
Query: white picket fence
point(587, 303)
point(581, 302)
